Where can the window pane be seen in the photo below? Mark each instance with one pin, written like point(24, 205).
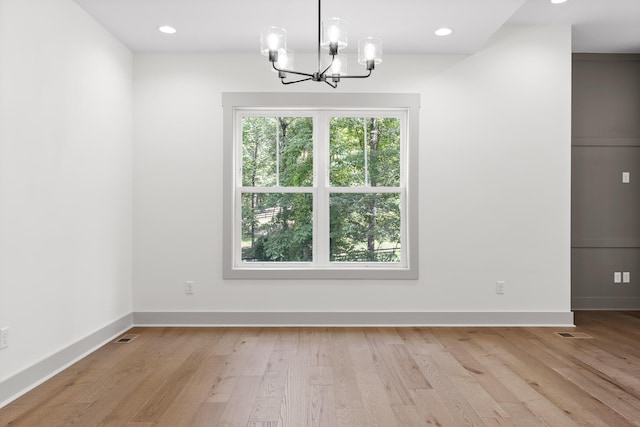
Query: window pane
point(384, 152)
point(258, 151)
point(365, 227)
point(277, 151)
point(296, 151)
point(346, 136)
point(364, 151)
point(277, 227)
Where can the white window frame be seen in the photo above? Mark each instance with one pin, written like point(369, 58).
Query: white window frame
point(320, 106)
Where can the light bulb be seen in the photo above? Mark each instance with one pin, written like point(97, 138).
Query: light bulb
point(333, 33)
point(283, 58)
point(369, 51)
point(339, 65)
point(272, 41)
point(336, 67)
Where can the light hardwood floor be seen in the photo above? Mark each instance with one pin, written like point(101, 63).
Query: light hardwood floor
point(351, 377)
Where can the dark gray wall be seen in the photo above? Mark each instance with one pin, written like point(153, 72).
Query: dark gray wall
point(605, 212)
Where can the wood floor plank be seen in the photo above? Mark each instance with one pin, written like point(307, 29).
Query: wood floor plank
point(498, 422)
point(375, 400)
point(470, 359)
point(455, 402)
point(83, 382)
point(152, 377)
point(386, 369)
point(408, 415)
point(613, 388)
point(244, 343)
point(258, 357)
point(325, 347)
point(294, 408)
point(604, 394)
point(322, 407)
point(615, 394)
point(169, 391)
point(265, 410)
point(207, 415)
point(267, 377)
point(321, 375)
point(194, 393)
point(522, 416)
point(359, 350)
point(413, 339)
point(287, 339)
point(351, 417)
point(431, 407)
point(482, 403)
point(272, 386)
point(232, 336)
point(346, 391)
point(573, 401)
point(236, 411)
point(399, 359)
point(530, 398)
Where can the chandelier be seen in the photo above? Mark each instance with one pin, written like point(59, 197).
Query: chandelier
point(332, 36)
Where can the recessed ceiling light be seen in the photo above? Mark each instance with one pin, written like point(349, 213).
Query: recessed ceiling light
point(167, 29)
point(558, 1)
point(444, 31)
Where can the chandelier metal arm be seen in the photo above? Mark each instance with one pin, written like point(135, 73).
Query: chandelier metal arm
point(333, 85)
point(333, 57)
point(294, 81)
point(284, 70)
point(364, 76)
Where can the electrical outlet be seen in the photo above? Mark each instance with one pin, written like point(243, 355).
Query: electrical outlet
point(500, 287)
point(189, 287)
point(625, 177)
point(626, 277)
point(617, 277)
point(4, 338)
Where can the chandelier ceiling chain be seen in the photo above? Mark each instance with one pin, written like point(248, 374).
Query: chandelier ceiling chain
point(332, 36)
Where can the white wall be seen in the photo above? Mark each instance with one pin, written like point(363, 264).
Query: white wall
point(494, 181)
point(65, 178)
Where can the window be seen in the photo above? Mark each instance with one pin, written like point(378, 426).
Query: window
point(320, 186)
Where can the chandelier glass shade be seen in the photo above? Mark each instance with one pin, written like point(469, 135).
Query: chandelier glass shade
point(332, 36)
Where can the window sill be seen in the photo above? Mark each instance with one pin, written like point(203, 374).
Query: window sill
point(306, 273)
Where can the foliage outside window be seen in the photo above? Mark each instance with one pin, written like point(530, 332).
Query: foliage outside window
point(319, 189)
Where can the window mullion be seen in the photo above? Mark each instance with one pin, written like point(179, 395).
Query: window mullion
point(404, 230)
point(321, 208)
point(237, 194)
point(277, 152)
point(365, 153)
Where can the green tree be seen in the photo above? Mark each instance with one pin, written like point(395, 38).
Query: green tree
point(365, 152)
point(277, 151)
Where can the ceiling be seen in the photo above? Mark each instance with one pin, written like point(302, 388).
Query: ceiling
point(406, 26)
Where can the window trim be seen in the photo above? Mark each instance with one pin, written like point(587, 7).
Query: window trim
point(231, 101)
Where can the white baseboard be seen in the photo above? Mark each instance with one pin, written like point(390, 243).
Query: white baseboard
point(22, 382)
point(605, 303)
point(166, 318)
